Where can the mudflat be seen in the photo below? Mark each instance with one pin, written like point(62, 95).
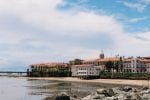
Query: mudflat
point(104, 81)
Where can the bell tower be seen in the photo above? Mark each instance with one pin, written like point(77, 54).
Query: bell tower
point(101, 56)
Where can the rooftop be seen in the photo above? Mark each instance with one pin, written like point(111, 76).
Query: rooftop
point(51, 64)
point(83, 65)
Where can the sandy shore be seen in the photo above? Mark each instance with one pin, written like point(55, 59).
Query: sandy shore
point(104, 81)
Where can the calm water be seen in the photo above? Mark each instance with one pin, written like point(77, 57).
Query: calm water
point(24, 89)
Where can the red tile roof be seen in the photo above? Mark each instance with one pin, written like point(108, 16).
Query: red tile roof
point(128, 60)
point(146, 57)
point(102, 60)
point(50, 64)
point(83, 65)
point(108, 59)
point(145, 60)
point(89, 60)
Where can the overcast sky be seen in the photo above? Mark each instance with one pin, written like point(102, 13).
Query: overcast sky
point(35, 31)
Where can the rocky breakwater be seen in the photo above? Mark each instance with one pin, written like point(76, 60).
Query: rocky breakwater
point(61, 96)
point(120, 93)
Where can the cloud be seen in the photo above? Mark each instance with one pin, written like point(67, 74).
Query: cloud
point(144, 37)
point(146, 1)
point(137, 6)
point(135, 20)
point(36, 31)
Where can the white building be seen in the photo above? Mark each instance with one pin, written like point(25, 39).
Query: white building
point(136, 65)
point(85, 70)
point(147, 67)
point(127, 65)
point(93, 67)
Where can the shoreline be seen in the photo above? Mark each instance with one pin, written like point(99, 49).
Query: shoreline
point(102, 81)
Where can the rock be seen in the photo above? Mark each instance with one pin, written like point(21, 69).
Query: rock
point(128, 96)
point(63, 96)
point(145, 91)
point(100, 96)
point(134, 90)
point(107, 93)
point(47, 98)
point(135, 97)
point(110, 98)
point(125, 93)
point(101, 91)
point(87, 98)
point(117, 90)
point(120, 97)
point(145, 97)
point(145, 88)
point(111, 92)
point(127, 89)
point(75, 96)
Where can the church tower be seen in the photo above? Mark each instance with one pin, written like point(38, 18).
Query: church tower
point(101, 56)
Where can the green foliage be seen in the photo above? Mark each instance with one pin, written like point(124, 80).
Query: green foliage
point(125, 75)
point(35, 73)
point(75, 62)
point(55, 73)
point(109, 65)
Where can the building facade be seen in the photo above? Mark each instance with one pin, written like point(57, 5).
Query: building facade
point(93, 67)
point(136, 65)
point(50, 69)
point(85, 71)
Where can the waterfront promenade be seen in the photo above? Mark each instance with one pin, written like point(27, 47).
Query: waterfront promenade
point(101, 81)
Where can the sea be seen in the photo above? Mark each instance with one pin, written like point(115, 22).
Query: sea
point(22, 88)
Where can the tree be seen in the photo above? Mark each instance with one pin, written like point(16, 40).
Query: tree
point(121, 64)
point(75, 62)
point(116, 66)
point(109, 65)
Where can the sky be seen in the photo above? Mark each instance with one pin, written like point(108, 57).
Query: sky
point(38, 31)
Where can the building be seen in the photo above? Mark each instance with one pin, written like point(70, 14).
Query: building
point(93, 67)
point(85, 71)
point(146, 62)
point(127, 66)
point(50, 69)
point(101, 62)
point(136, 65)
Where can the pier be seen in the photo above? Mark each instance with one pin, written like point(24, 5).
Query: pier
point(13, 73)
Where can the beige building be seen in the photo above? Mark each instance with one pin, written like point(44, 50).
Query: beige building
point(49, 69)
point(49, 66)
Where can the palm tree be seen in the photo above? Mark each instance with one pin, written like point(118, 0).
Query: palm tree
point(121, 64)
point(109, 65)
point(116, 66)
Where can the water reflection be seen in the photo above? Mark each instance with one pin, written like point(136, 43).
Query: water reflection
point(51, 88)
point(31, 89)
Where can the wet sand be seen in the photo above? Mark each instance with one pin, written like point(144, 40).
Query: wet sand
point(102, 81)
